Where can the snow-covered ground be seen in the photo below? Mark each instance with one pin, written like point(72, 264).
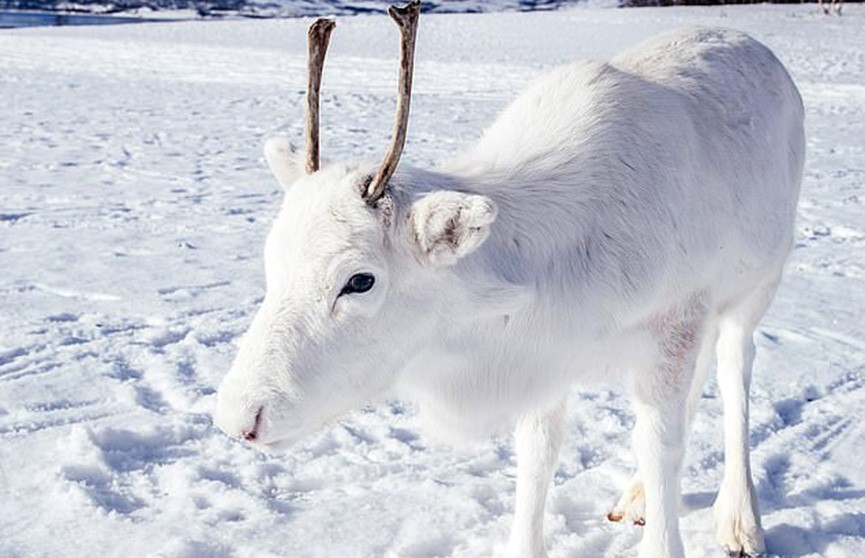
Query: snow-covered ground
point(133, 208)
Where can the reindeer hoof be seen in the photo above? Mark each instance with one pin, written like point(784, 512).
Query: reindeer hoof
point(631, 506)
point(743, 554)
point(737, 525)
point(616, 517)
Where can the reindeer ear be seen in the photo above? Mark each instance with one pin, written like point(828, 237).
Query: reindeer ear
point(284, 161)
point(448, 225)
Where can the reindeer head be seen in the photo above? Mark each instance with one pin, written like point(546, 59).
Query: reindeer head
point(356, 275)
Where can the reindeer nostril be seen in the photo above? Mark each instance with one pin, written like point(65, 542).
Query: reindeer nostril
point(252, 435)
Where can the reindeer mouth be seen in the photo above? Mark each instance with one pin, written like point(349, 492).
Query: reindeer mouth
point(253, 435)
point(269, 439)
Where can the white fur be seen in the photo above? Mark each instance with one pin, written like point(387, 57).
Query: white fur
point(449, 225)
point(618, 219)
point(284, 161)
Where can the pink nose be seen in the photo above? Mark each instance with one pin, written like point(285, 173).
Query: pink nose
point(252, 435)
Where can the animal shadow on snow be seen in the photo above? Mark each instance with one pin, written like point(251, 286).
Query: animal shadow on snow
point(792, 540)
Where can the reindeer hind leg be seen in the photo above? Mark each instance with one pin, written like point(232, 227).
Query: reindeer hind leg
point(737, 515)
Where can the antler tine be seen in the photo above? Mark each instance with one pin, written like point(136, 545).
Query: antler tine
point(407, 19)
point(319, 36)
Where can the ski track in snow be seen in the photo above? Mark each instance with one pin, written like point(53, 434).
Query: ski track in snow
point(133, 207)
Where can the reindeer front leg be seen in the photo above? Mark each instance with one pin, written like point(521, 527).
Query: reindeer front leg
point(538, 436)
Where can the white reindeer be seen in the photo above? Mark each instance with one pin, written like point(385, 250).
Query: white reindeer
point(624, 219)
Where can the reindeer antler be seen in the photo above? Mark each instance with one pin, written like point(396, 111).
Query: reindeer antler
point(319, 35)
point(407, 19)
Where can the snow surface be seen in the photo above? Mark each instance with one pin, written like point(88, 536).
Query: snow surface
point(133, 207)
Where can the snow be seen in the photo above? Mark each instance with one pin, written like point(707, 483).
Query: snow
point(134, 201)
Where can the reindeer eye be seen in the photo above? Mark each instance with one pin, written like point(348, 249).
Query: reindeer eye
point(359, 283)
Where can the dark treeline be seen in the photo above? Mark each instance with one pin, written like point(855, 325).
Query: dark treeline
point(109, 6)
point(648, 3)
point(309, 7)
point(282, 7)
